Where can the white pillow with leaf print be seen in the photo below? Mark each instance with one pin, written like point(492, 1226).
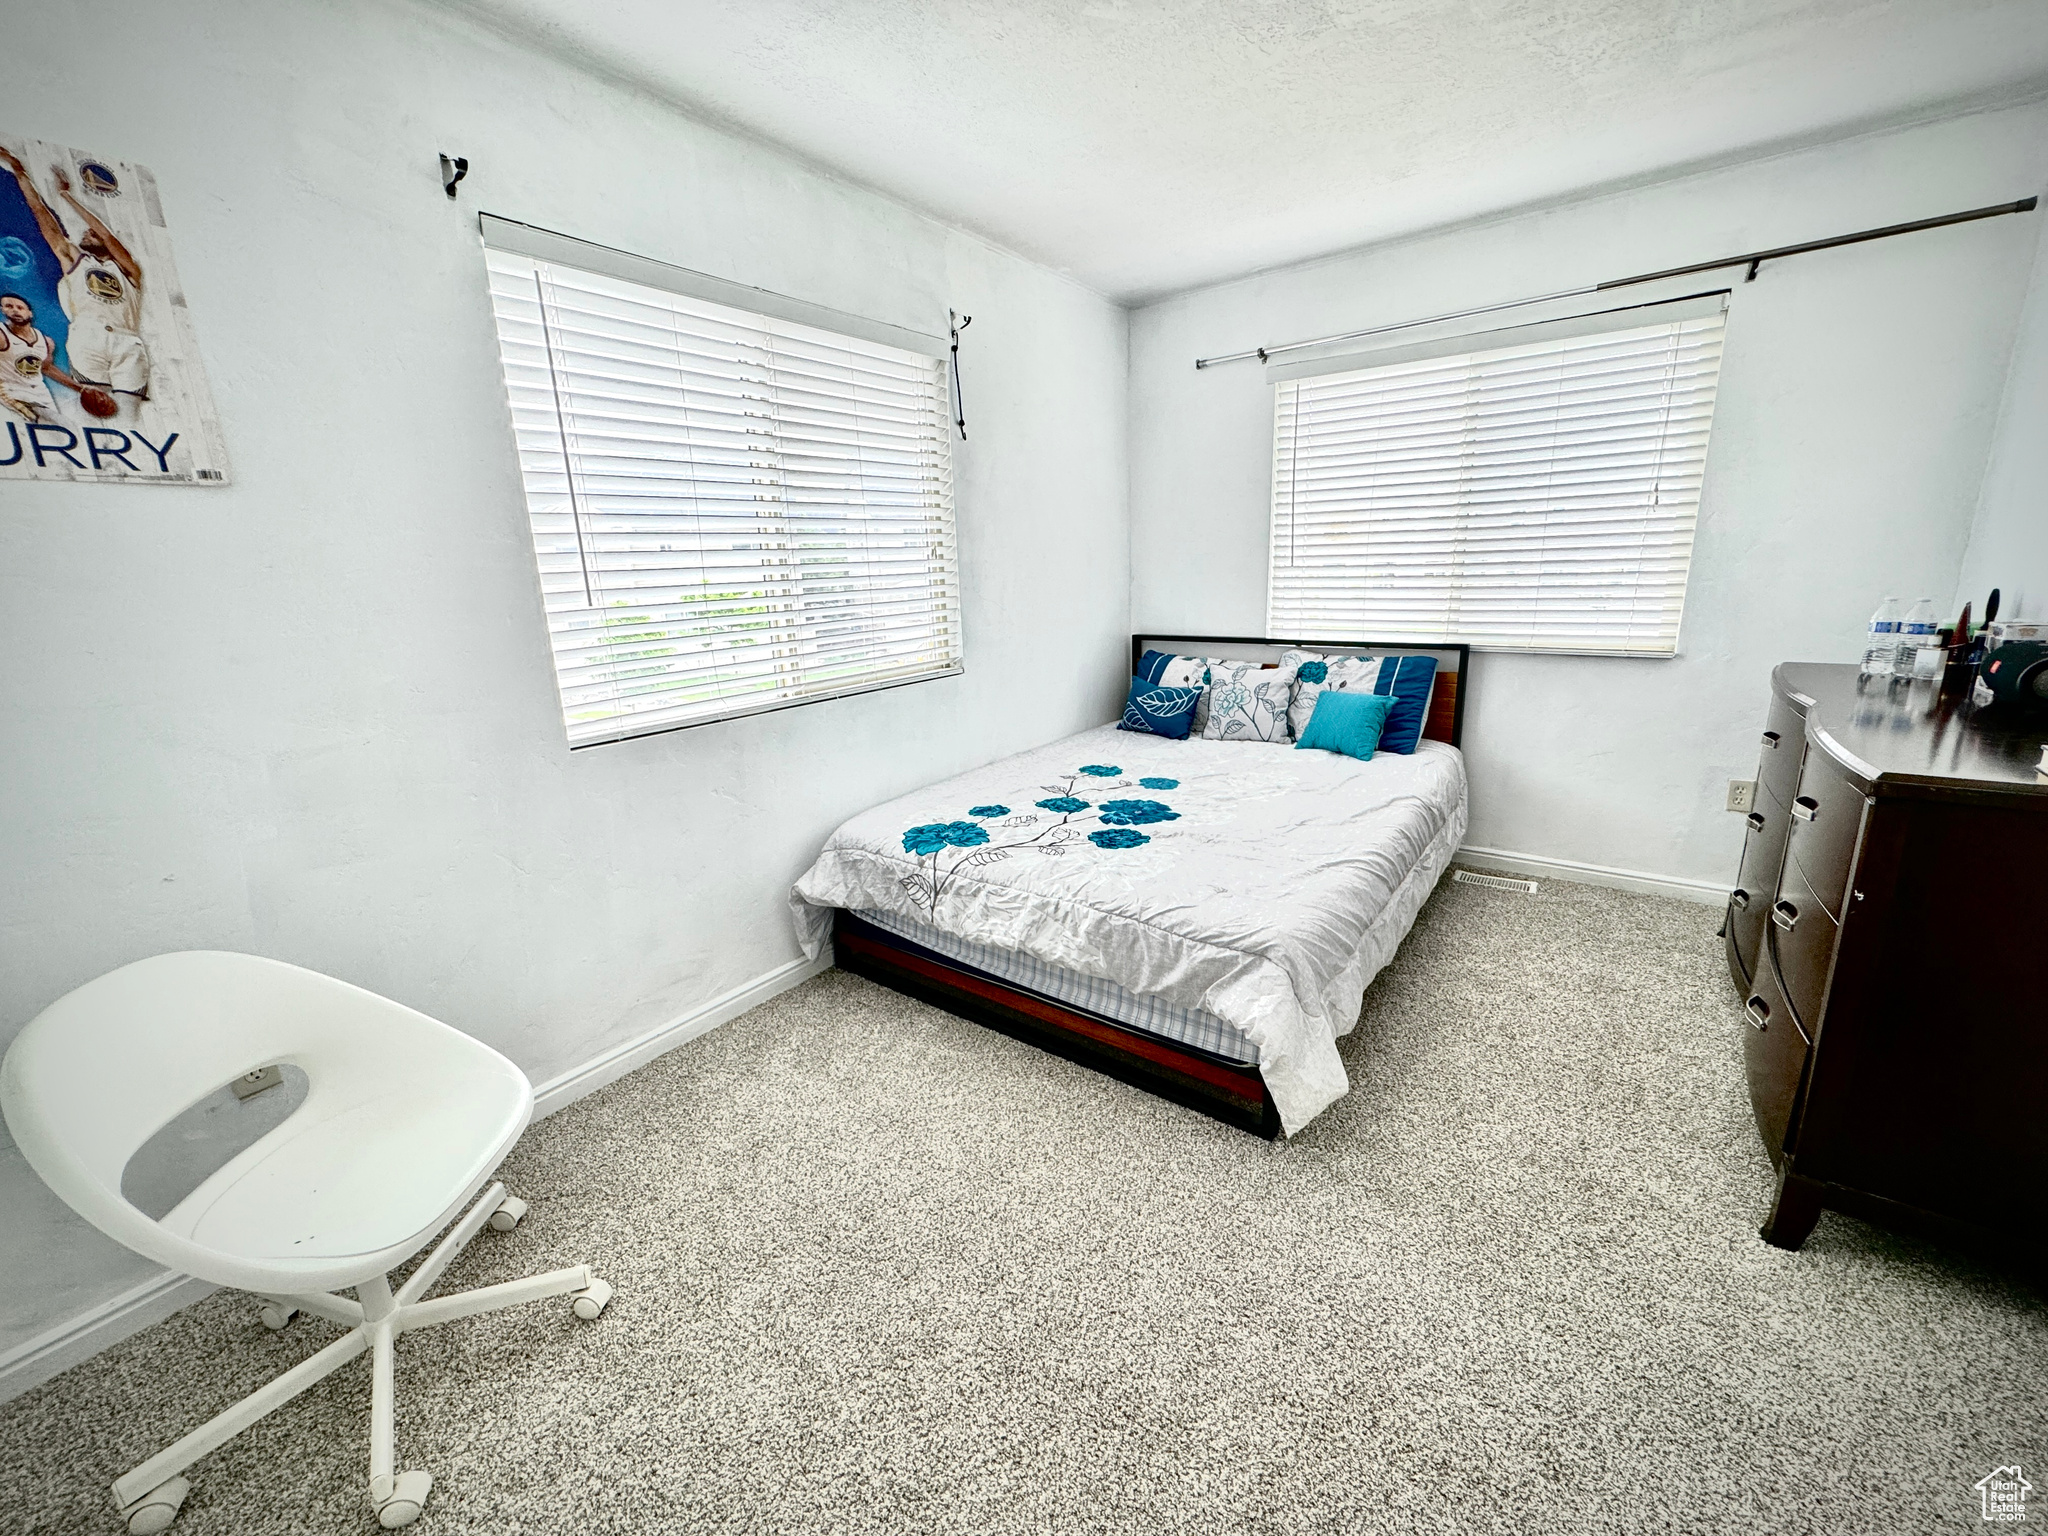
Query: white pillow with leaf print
point(1248, 701)
point(1314, 673)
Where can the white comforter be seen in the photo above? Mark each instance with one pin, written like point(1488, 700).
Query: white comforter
point(1265, 884)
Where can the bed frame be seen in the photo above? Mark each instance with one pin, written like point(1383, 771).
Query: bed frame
point(1225, 1090)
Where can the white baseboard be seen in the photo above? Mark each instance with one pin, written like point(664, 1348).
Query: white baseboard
point(1705, 892)
point(565, 1089)
point(79, 1338)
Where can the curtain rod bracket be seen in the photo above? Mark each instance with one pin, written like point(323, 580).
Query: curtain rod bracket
point(955, 324)
point(1753, 268)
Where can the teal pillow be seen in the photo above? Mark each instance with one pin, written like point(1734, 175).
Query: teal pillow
point(1348, 722)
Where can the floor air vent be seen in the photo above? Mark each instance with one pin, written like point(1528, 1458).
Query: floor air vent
point(1496, 882)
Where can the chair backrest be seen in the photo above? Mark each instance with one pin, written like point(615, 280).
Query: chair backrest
point(104, 1068)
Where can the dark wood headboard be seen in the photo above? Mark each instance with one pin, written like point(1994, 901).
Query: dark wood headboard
point(1446, 719)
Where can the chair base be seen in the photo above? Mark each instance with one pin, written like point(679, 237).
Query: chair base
point(150, 1496)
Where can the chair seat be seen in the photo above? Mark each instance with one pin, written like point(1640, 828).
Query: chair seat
point(356, 1177)
point(403, 1118)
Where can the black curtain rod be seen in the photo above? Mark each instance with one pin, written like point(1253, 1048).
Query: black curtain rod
point(1751, 259)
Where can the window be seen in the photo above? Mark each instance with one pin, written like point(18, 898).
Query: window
point(1538, 496)
point(732, 510)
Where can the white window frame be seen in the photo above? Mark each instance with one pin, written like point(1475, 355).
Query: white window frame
point(1377, 535)
point(831, 427)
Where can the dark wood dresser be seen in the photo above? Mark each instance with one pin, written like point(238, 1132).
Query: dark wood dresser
point(1889, 933)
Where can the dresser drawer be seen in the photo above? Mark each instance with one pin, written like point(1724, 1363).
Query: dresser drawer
point(1827, 813)
point(1762, 849)
point(1774, 1051)
point(1784, 743)
point(1802, 939)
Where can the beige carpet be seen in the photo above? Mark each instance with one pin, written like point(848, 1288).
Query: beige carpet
point(879, 1269)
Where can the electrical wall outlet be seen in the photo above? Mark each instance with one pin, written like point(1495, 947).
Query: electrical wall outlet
point(249, 1084)
point(1742, 794)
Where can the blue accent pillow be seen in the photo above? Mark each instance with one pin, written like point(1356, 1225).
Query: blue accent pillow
point(1350, 723)
point(1407, 680)
point(1152, 665)
point(1158, 710)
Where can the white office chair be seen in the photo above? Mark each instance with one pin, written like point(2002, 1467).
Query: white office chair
point(403, 1121)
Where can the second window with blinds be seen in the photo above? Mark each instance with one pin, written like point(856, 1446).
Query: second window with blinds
point(732, 511)
point(1534, 496)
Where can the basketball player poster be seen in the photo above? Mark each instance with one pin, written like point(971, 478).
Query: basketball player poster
point(99, 370)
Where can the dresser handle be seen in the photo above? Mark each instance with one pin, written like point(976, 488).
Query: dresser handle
point(1739, 898)
point(1770, 738)
point(1756, 821)
point(1759, 1012)
point(1806, 808)
point(1785, 915)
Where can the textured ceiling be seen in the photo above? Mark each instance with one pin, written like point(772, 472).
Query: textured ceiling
point(1146, 146)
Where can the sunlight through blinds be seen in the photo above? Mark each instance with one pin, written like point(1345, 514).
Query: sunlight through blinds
point(1538, 497)
point(731, 512)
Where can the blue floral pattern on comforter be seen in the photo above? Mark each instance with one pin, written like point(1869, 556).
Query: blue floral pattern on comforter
point(970, 846)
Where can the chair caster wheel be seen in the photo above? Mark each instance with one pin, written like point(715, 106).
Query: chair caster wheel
point(591, 1301)
point(507, 1215)
point(275, 1317)
point(408, 1496)
point(155, 1510)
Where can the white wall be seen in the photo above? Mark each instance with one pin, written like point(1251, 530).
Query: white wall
point(1858, 395)
point(311, 714)
point(2009, 541)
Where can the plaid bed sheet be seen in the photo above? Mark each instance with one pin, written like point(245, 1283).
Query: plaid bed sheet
point(1189, 1026)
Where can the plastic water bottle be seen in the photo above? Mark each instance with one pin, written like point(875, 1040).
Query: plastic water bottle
point(1882, 643)
point(1918, 630)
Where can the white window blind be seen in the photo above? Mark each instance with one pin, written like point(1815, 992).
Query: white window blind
point(731, 511)
point(1536, 497)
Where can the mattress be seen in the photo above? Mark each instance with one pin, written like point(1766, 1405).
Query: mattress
point(1154, 1015)
point(1259, 884)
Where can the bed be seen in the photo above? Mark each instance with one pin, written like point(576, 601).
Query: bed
point(1199, 918)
